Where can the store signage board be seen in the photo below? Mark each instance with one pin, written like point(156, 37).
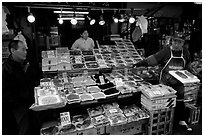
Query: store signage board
point(65, 118)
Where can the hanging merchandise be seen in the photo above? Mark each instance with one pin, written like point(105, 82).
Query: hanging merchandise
point(5, 11)
point(20, 37)
point(143, 23)
point(136, 34)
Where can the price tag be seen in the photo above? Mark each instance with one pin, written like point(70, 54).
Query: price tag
point(65, 118)
point(101, 79)
point(113, 111)
point(118, 82)
point(78, 60)
point(101, 117)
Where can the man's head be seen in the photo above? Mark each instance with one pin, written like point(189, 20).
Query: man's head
point(17, 50)
point(177, 43)
point(84, 34)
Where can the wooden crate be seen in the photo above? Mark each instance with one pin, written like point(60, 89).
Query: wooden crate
point(160, 121)
point(194, 113)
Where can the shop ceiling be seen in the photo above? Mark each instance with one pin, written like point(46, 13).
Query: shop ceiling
point(148, 9)
point(144, 8)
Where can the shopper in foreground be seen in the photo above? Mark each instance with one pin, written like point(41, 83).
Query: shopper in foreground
point(173, 57)
point(17, 94)
point(84, 42)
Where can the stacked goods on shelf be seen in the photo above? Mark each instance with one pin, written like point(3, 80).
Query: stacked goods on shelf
point(190, 85)
point(49, 60)
point(102, 119)
point(121, 55)
point(84, 88)
point(63, 60)
point(47, 96)
point(159, 101)
point(156, 97)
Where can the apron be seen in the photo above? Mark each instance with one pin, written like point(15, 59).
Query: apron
point(174, 63)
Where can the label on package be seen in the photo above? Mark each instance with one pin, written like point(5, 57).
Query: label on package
point(65, 118)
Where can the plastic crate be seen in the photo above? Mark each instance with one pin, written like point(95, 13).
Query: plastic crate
point(160, 121)
point(194, 113)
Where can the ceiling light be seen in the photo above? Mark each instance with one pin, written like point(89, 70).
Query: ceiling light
point(101, 21)
point(30, 17)
point(73, 21)
point(115, 20)
point(92, 21)
point(60, 21)
point(131, 20)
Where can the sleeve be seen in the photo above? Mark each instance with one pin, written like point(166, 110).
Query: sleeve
point(7, 88)
point(158, 57)
point(92, 44)
point(187, 58)
point(75, 45)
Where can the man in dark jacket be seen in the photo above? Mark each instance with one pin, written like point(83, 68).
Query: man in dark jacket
point(17, 92)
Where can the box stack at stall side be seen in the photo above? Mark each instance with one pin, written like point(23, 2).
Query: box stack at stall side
point(190, 85)
point(159, 102)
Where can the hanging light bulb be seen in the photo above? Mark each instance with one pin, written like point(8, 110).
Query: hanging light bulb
point(92, 21)
point(101, 21)
point(60, 19)
point(115, 20)
point(131, 20)
point(73, 20)
point(30, 17)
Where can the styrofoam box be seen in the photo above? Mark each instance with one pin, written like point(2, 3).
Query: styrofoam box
point(49, 61)
point(64, 66)
point(49, 68)
point(159, 103)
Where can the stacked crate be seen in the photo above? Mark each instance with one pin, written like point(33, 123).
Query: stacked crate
point(49, 60)
point(159, 101)
point(190, 85)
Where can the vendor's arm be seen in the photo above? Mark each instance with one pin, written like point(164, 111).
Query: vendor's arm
point(154, 59)
point(75, 45)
